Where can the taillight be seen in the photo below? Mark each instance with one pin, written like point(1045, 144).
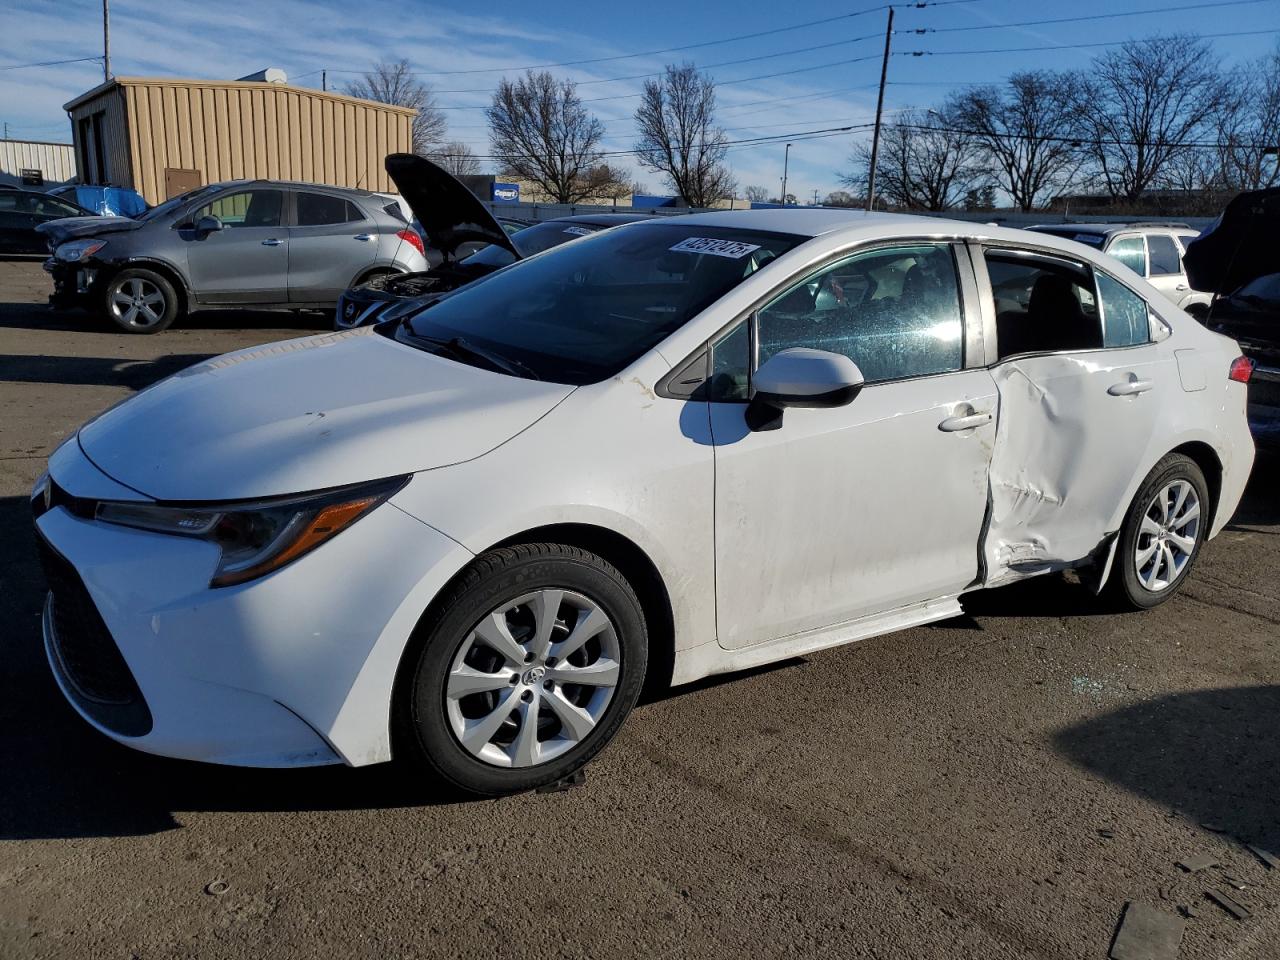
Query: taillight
point(1241, 370)
point(411, 237)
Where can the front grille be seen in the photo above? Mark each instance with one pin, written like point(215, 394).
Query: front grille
point(89, 659)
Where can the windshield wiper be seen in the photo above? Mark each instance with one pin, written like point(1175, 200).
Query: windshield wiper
point(462, 349)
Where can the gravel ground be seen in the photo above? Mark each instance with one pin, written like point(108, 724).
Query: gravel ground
point(998, 785)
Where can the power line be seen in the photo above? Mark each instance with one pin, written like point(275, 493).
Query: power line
point(1096, 16)
point(1070, 46)
point(1085, 141)
point(47, 63)
point(709, 66)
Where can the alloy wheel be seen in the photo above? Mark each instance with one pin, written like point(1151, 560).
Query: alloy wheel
point(1167, 536)
point(137, 302)
point(533, 678)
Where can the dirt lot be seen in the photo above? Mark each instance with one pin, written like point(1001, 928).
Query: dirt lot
point(993, 786)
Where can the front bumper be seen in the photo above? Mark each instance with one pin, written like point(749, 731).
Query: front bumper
point(74, 284)
point(293, 669)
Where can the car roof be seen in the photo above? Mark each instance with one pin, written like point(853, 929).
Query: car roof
point(853, 226)
point(603, 219)
point(1109, 228)
point(304, 185)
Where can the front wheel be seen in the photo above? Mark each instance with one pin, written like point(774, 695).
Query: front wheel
point(141, 301)
point(535, 660)
point(1162, 534)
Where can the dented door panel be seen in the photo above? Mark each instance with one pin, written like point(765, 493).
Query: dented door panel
point(1073, 431)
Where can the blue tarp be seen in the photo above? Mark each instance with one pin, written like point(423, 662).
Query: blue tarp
point(110, 201)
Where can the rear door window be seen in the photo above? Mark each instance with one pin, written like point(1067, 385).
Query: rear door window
point(1132, 252)
point(1126, 321)
point(1165, 258)
point(322, 210)
point(1043, 304)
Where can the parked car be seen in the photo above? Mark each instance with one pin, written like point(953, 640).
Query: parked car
point(102, 200)
point(436, 257)
point(1238, 259)
point(259, 244)
point(681, 448)
point(468, 240)
point(21, 211)
point(1151, 250)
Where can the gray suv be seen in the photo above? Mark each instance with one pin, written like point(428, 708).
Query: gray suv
point(257, 244)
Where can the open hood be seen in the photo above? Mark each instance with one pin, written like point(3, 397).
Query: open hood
point(1239, 246)
point(69, 228)
point(450, 214)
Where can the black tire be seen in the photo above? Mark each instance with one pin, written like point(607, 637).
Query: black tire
point(422, 729)
point(140, 285)
point(1125, 587)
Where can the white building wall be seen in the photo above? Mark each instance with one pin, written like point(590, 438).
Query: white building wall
point(56, 161)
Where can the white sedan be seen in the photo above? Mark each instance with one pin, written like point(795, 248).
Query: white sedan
point(468, 536)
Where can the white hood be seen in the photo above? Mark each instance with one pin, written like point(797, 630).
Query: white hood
point(308, 414)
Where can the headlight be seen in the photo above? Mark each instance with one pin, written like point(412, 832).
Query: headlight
point(257, 538)
point(76, 250)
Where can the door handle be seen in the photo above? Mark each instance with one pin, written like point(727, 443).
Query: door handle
point(966, 422)
point(1181, 287)
point(273, 242)
point(366, 237)
point(1130, 388)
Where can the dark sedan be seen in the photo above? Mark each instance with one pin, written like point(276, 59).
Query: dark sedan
point(21, 211)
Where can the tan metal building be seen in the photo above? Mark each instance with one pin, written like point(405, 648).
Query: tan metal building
point(162, 136)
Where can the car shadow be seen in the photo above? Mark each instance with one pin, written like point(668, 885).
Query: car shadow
point(95, 371)
point(42, 316)
point(1211, 755)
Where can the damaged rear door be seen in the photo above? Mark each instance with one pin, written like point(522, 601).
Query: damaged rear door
point(1081, 386)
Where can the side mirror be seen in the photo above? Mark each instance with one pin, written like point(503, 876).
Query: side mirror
point(801, 377)
point(208, 224)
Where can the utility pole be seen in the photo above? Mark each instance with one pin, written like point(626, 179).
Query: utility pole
point(875, 137)
point(815, 196)
point(324, 79)
point(106, 41)
point(786, 156)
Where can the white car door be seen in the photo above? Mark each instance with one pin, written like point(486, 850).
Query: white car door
point(1081, 384)
point(840, 513)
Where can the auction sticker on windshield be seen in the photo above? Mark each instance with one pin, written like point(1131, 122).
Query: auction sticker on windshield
point(734, 249)
point(579, 231)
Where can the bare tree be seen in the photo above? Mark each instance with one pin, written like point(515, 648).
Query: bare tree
point(840, 198)
point(541, 132)
point(1028, 132)
point(926, 162)
point(395, 83)
point(1252, 127)
point(756, 194)
point(456, 157)
point(1142, 104)
point(678, 135)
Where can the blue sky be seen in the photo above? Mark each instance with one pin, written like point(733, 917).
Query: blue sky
point(832, 86)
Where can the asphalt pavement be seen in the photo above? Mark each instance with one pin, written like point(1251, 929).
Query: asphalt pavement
point(998, 785)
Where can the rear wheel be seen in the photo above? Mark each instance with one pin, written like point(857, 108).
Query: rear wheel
point(535, 660)
point(1162, 534)
point(141, 301)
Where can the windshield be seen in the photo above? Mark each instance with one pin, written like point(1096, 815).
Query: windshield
point(175, 203)
point(531, 240)
point(584, 311)
point(1092, 239)
point(1265, 288)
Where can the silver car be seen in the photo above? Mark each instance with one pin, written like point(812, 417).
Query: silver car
point(1151, 250)
point(259, 244)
